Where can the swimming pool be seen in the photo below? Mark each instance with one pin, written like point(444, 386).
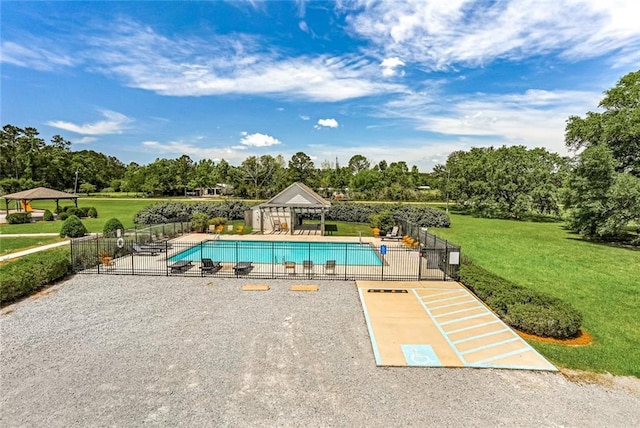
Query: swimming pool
point(344, 253)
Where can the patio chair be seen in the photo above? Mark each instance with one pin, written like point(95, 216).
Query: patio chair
point(209, 266)
point(243, 268)
point(290, 267)
point(330, 267)
point(276, 225)
point(393, 234)
point(137, 249)
point(307, 267)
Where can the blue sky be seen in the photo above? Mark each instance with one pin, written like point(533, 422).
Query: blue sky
point(411, 80)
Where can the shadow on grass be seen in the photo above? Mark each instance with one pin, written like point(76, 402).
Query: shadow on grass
point(532, 218)
point(623, 242)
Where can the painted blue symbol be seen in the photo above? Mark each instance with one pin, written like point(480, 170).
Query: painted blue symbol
point(420, 355)
point(383, 249)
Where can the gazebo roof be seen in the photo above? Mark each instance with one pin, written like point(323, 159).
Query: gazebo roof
point(297, 195)
point(39, 193)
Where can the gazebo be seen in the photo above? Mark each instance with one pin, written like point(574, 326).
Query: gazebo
point(38, 193)
point(286, 206)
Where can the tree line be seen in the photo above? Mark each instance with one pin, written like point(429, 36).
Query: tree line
point(28, 161)
point(598, 189)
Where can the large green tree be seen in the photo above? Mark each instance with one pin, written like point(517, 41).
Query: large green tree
point(505, 182)
point(617, 127)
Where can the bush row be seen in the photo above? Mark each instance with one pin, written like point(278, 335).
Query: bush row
point(361, 213)
point(19, 218)
point(524, 309)
point(168, 212)
point(27, 274)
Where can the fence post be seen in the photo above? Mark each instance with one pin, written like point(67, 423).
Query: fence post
point(273, 263)
point(201, 271)
point(420, 262)
point(346, 264)
point(237, 275)
point(446, 259)
point(98, 253)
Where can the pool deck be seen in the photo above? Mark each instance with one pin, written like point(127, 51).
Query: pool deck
point(440, 324)
point(396, 261)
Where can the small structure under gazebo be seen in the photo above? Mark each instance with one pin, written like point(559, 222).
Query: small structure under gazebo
point(283, 212)
point(35, 194)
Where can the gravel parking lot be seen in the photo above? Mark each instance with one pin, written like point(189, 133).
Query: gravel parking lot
point(131, 351)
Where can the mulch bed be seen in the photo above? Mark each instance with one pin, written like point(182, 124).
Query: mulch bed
point(582, 339)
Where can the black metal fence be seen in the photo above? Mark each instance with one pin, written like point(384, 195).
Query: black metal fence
point(258, 259)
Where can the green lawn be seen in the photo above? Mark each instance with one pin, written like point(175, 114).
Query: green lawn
point(602, 282)
point(122, 209)
point(11, 245)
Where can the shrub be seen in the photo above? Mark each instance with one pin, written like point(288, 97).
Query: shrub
point(361, 213)
point(92, 212)
point(23, 276)
point(73, 228)
point(59, 209)
point(47, 216)
point(524, 309)
point(218, 221)
point(200, 222)
point(63, 216)
point(108, 190)
point(169, 212)
point(19, 218)
point(74, 211)
point(111, 227)
point(384, 221)
point(83, 212)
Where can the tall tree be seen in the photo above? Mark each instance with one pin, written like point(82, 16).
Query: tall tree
point(617, 127)
point(301, 169)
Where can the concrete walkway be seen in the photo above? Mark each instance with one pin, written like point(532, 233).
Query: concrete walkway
point(32, 250)
point(440, 324)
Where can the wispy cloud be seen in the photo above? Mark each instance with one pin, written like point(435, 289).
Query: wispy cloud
point(114, 123)
point(534, 118)
point(228, 65)
point(34, 57)
point(85, 140)
point(258, 140)
point(441, 34)
point(326, 123)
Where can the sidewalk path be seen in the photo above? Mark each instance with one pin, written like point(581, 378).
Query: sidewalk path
point(32, 250)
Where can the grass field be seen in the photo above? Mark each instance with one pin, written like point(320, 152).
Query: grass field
point(602, 282)
point(11, 245)
point(122, 209)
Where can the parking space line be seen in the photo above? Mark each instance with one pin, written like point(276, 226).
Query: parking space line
point(454, 304)
point(501, 356)
point(479, 336)
point(444, 300)
point(484, 324)
point(490, 345)
point(466, 318)
point(459, 311)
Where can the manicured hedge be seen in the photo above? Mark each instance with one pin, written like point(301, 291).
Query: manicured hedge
point(73, 228)
point(27, 274)
point(169, 212)
point(361, 213)
point(524, 309)
point(19, 218)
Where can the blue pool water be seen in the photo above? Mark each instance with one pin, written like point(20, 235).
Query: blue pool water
point(344, 253)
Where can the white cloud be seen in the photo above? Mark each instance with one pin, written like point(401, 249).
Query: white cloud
point(390, 66)
point(440, 34)
point(326, 123)
point(85, 140)
point(38, 58)
point(228, 65)
point(304, 117)
point(258, 140)
point(114, 124)
point(534, 118)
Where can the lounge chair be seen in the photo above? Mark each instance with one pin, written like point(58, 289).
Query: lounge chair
point(137, 249)
point(243, 268)
point(330, 267)
point(307, 267)
point(276, 225)
point(209, 266)
point(393, 234)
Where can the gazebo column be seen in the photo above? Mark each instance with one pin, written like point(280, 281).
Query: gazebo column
point(322, 222)
point(58, 206)
point(292, 219)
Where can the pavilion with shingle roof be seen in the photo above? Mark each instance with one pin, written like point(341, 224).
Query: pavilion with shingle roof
point(294, 200)
point(39, 193)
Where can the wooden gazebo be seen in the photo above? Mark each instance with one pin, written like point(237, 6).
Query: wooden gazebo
point(290, 203)
point(38, 193)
